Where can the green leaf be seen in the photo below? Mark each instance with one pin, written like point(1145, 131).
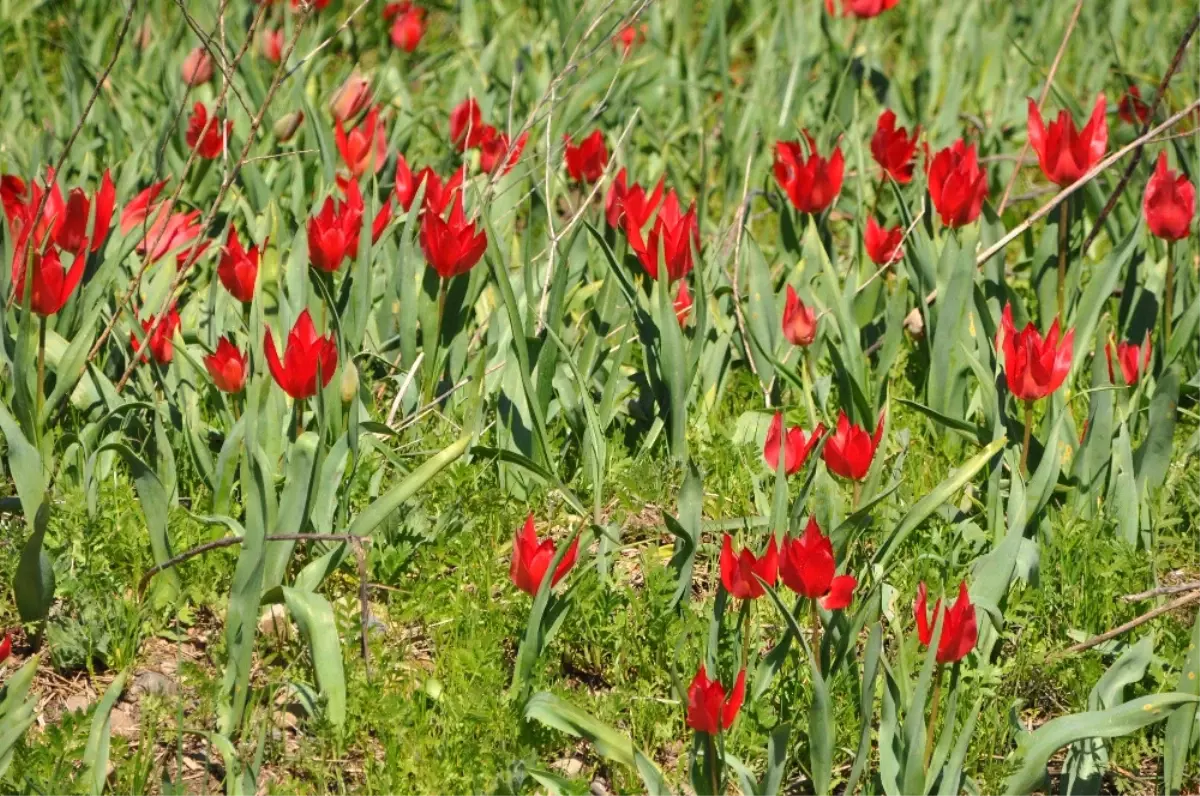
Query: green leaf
point(687, 532)
point(16, 712)
point(379, 510)
point(315, 620)
point(95, 755)
point(1181, 727)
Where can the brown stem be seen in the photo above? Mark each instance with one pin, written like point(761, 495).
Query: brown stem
point(1131, 624)
point(1169, 295)
point(1028, 435)
point(933, 714)
point(1064, 217)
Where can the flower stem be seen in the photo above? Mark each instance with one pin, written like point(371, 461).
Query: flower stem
point(431, 385)
point(1028, 435)
point(816, 625)
point(1169, 294)
point(41, 369)
point(713, 771)
point(1064, 214)
point(856, 496)
point(747, 606)
point(806, 378)
point(935, 703)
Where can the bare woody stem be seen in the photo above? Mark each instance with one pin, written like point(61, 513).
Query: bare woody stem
point(1028, 437)
point(934, 705)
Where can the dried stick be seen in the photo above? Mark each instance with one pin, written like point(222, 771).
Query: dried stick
point(1131, 624)
point(1161, 590)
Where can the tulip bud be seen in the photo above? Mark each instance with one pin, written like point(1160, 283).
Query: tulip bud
point(351, 98)
point(287, 125)
point(144, 35)
point(197, 67)
point(349, 383)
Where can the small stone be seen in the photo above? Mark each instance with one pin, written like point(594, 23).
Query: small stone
point(123, 721)
point(275, 624)
point(76, 702)
point(151, 683)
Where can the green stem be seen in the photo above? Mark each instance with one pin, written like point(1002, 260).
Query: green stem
point(933, 714)
point(856, 496)
point(713, 771)
point(1169, 295)
point(299, 418)
point(806, 379)
point(747, 606)
point(434, 370)
point(1064, 214)
point(41, 369)
point(816, 625)
point(1028, 435)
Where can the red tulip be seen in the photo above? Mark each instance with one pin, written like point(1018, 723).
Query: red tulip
point(708, 710)
point(451, 246)
point(811, 183)
point(351, 98)
point(305, 355)
point(1033, 366)
point(138, 209)
point(1064, 154)
point(271, 44)
point(207, 137)
point(682, 304)
point(63, 223)
point(467, 129)
point(495, 146)
point(333, 233)
point(227, 366)
point(1170, 202)
point(531, 559)
point(408, 24)
point(849, 451)
point(169, 232)
point(1132, 107)
point(587, 160)
point(197, 67)
point(957, 185)
point(438, 195)
point(382, 219)
point(863, 9)
point(238, 268)
point(884, 246)
point(674, 232)
point(365, 147)
point(159, 342)
point(740, 572)
point(5, 647)
point(807, 568)
point(893, 149)
point(52, 283)
point(1132, 359)
point(796, 448)
point(959, 630)
point(629, 37)
point(630, 202)
point(799, 321)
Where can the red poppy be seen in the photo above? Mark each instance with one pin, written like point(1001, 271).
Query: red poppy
point(1132, 359)
point(305, 355)
point(893, 149)
point(494, 147)
point(884, 246)
point(674, 232)
point(531, 559)
point(207, 137)
point(587, 160)
point(227, 366)
point(238, 268)
point(159, 342)
point(197, 67)
point(812, 183)
point(271, 44)
point(796, 448)
point(807, 568)
point(682, 304)
point(452, 246)
point(740, 572)
point(1064, 154)
point(708, 710)
point(351, 98)
point(630, 202)
point(1170, 202)
point(52, 283)
point(333, 233)
point(849, 451)
point(408, 24)
point(1034, 367)
point(959, 629)
point(863, 9)
point(364, 148)
point(957, 185)
point(629, 37)
point(1132, 107)
point(799, 321)
point(64, 223)
point(467, 129)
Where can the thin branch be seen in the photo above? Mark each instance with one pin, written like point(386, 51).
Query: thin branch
point(1161, 590)
point(1131, 624)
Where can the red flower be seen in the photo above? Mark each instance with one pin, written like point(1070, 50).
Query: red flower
point(796, 447)
point(207, 137)
point(451, 246)
point(807, 568)
point(271, 44)
point(849, 451)
point(238, 268)
point(884, 246)
point(1131, 106)
point(351, 98)
point(1034, 367)
point(467, 129)
point(1064, 154)
point(333, 233)
point(632, 202)
point(166, 232)
point(959, 631)
point(863, 9)
point(408, 24)
point(1170, 202)
point(63, 223)
point(956, 184)
point(682, 304)
point(227, 366)
point(738, 572)
point(629, 37)
point(382, 219)
point(1131, 358)
point(197, 67)
point(674, 232)
point(811, 183)
point(438, 195)
point(494, 147)
point(159, 343)
point(52, 283)
point(799, 321)
point(365, 147)
point(531, 559)
point(893, 149)
point(305, 354)
point(138, 209)
point(708, 710)
point(587, 161)
point(5, 647)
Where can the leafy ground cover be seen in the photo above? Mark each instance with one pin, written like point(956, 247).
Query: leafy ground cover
point(575, 397)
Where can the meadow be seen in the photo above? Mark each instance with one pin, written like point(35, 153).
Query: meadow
point(579, 397)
